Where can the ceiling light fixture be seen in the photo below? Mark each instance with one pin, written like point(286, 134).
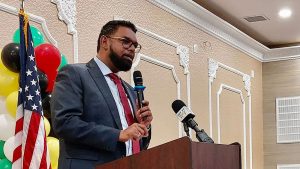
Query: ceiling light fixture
point(285, 13)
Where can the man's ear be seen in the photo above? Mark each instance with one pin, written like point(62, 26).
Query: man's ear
point(104, 42)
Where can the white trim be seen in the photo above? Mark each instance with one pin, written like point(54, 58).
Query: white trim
point(206, 21)
point(213, 67)
point(34, 18)
point(250, 130)
point(234, 90)
point(164, 65)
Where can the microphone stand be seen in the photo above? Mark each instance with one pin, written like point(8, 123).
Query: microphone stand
point(200, 134)
point(186, 129)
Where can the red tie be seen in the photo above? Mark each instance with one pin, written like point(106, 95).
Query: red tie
point(127, 110)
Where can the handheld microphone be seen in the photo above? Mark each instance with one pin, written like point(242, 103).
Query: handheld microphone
point(185, 115)
point(139, 88)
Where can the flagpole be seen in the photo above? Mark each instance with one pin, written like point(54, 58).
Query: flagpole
point(22, 4)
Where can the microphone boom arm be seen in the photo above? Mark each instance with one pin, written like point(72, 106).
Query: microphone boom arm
point(200, 134)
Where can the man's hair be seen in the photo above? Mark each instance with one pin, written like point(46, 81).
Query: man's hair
point(112, 26)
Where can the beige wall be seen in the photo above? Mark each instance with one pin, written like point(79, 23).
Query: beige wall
point(280, 79)
point(161, 88)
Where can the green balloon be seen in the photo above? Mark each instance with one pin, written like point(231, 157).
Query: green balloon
point(1, 149)
point(16, 37)
point(5, 164)
point(63, 61)
point(37, 36)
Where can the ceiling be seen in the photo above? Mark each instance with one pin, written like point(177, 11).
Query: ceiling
point(274, 32)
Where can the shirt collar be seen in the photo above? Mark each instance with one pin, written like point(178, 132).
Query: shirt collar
point(104, 69)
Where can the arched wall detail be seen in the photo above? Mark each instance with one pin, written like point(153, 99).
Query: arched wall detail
point(239, 92)
point(37, 19)
point(164, 65)
point(213, 67)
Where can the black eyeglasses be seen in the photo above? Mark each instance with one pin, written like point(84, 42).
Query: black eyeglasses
point(127, 43)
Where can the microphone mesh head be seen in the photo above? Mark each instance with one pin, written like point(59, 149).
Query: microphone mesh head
point(177, 105)
point(137, 78)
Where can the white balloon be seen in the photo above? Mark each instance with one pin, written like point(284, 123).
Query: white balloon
point(9, 148)
point(3, 109)
point(7, 126)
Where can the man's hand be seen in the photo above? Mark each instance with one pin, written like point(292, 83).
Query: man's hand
point(144, 114)
point(136, 131)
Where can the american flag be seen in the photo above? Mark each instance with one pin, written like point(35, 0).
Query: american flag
point(30, 137)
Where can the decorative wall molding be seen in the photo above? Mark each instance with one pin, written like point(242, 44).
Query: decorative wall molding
point(239, 92)
point(164, 65)
point(156, 62)
point(247, 83)
point(206, 21)
point(213, 67)
point(67, 14)
point(34, 18)
point(183, 53)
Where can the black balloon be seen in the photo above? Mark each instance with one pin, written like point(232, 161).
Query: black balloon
point(46, 106)
point(10, 57)
point(43, 81)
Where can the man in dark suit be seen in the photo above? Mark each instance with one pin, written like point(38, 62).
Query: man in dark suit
point(94, 112)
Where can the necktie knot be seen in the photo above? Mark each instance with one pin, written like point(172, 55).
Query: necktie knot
point(114, 78)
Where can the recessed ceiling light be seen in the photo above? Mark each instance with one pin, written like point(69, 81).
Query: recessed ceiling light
point(285, 13)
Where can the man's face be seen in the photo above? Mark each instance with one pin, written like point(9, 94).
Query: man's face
point(120, 54)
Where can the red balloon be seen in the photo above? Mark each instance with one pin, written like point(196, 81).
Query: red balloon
point(51, 80)
point(47, 58)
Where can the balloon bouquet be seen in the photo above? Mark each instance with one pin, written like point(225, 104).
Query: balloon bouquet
point(49, 60)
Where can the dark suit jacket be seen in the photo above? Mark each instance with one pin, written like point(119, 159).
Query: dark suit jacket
point(86, 119)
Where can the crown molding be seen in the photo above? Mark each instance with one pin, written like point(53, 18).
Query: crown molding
point(206, 21)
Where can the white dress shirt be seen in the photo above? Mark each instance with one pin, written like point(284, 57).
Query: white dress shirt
point(114, 90)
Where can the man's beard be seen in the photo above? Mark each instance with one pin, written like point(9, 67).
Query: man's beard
point(119, 62)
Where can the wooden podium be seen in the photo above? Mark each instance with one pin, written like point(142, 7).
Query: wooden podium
point(181, 154)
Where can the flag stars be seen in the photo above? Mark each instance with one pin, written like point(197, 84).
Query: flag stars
point(26, 88)
point(20, 90)
point(29, 97)
point(28, 73)
point(31, 58)
point(33, 82)
point(34, 107)
point(37, 92)
point(35, 68)
point(40, 102)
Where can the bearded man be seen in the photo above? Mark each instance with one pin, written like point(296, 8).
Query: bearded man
point(94, 112)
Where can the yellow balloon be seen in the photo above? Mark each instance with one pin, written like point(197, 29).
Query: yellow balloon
point(47, 126)
point(11, 103)
point(53, 147)
point(9, 81)
point(1, 63)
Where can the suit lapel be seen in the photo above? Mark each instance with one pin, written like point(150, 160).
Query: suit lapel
point(103, 87)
